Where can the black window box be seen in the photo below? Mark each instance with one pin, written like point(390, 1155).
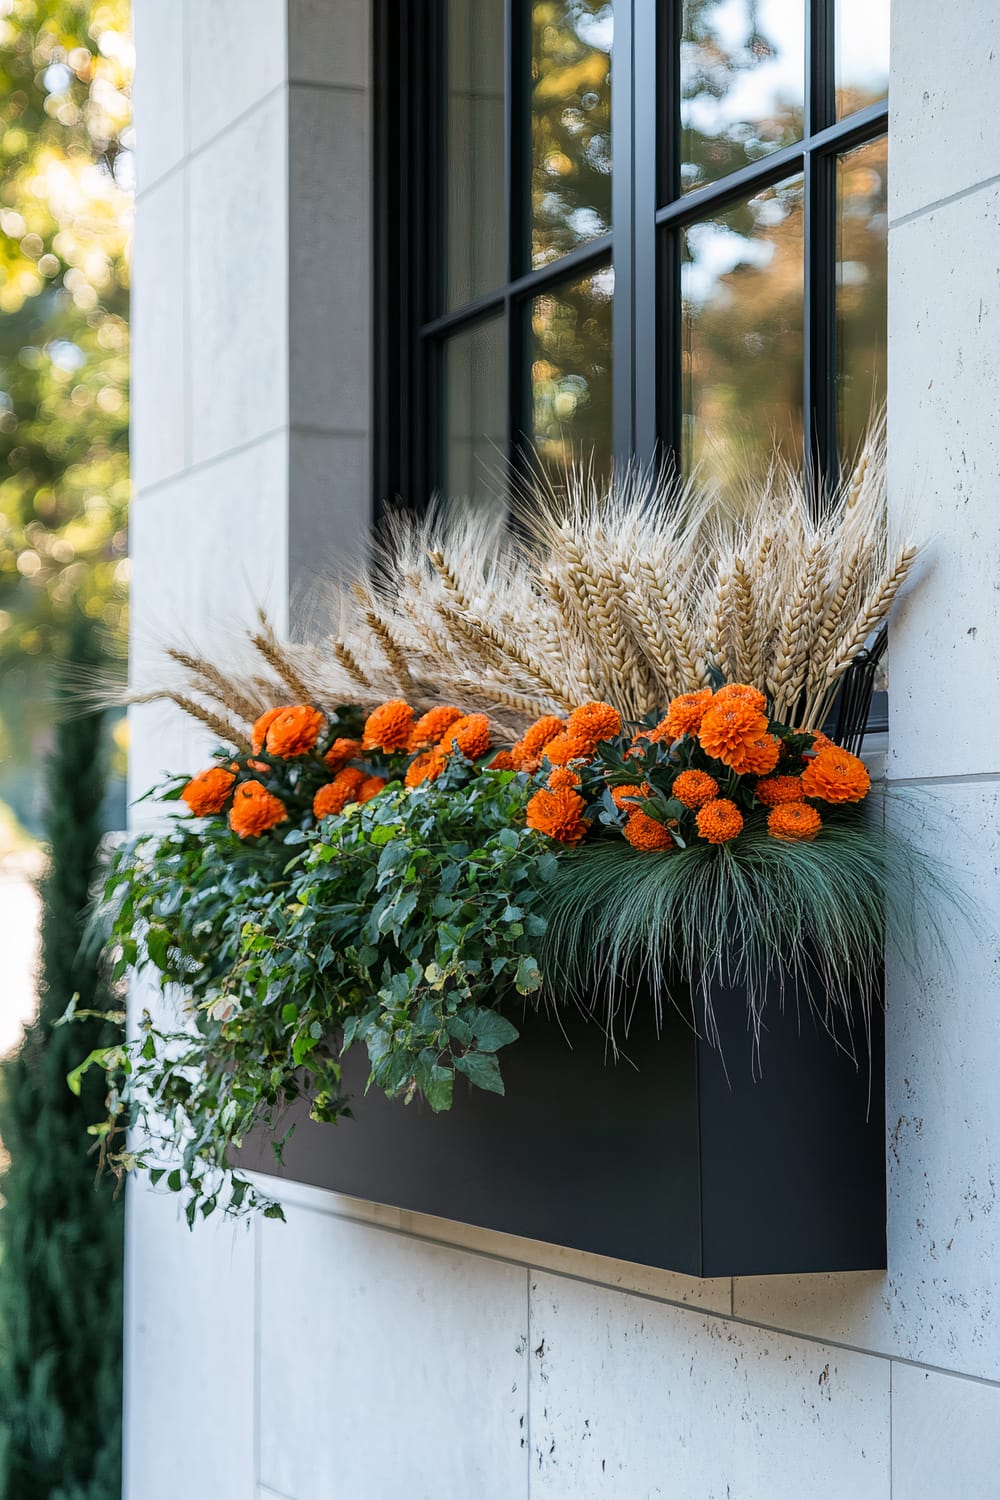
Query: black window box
point(676, 1154)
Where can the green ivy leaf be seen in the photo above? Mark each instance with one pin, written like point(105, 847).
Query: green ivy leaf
point(482, 1069)
point(491, 1030)
point(528, 977)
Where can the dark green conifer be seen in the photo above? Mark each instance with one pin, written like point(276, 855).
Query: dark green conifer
point(60, 1230)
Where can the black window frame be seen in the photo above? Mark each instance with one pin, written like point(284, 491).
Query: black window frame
point(649, 215)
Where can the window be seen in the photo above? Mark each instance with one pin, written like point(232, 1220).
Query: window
point(627, 227)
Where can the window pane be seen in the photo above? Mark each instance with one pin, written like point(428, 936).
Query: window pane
point(474, 150)
point(570, 125)
point(475, 383)
point(742, 317)
point(570, 349)
point(862, 51)
point(861, 290)
point(742, 83)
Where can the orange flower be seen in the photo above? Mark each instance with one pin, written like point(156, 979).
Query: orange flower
point(759, 757)
point(779, 789)
point(821, 741)
point(727, 731)
point(694, 788)
point(566, 747)
point(340, 752)
point(740, 692)
point(620, 794)
point(503, 761)
point(430, 727)
point(719, 821)
point(594, 722)
point(836, 776)
point(527, 752)
point(562, 776)
point(644, 832)
point(259, 732)
point(426, 767)
point(334, 797)
point(389, 726)
point(293, 731)
point(370, 787)
point(793, 821)
point(558, 814)
point(470, 733)
point(207, 792)
point(255, 810)
point(684, 716)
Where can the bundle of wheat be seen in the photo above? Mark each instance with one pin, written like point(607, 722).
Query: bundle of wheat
point(630, 592)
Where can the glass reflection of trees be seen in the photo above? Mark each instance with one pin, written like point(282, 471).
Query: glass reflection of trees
point(742, 83)
point(861, 53)
point(862, 224)
point(742, 346)
point(570, 125)
point(571, 372)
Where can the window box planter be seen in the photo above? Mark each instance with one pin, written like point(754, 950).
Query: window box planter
point(658, 1157)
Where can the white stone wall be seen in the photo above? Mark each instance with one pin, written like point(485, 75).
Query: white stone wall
point(362, 1353)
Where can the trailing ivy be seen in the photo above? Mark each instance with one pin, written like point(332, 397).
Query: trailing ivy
point(385, 927)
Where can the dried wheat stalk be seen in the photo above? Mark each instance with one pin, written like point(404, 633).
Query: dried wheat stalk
point(632, 591)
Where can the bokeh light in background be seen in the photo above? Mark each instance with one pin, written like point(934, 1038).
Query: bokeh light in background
point(66, 181)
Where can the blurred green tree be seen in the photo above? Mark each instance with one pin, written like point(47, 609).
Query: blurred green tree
point(60, 1231)
point(65, 222)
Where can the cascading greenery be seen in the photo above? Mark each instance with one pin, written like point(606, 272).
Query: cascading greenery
point(405, 925)
point(400, 886)
point(60, 1232)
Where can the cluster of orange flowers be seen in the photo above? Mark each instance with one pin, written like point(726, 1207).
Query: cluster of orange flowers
point(729, 728)
point(295, 731)
point(745, 766)
point(558, 808)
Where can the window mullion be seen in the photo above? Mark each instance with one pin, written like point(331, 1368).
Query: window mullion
point(819, 407)
point(643, 120)
point(623, 346)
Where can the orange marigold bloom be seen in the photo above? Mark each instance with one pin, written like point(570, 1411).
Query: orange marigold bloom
point(719, 821)
point(370, 787)
point(340, 752)
point(255, 810)
point(836, 776)
point(620, 794)
point(527, 752)
point(821, 741)
point(793, 821)
point(259, 732)
point(207, 792)
point(684, 716)
point(694, 788)
point(562, 776)
point(743, 693)
point(503, 761)
point(567, 747)
point(759, 757)
point(426, 767)
point(389, 726)
point(594, 722)
point(293, 731)
point(644, 832)
point(470, 733)
point(559, 814)
point(430, 727)
point(779, 789)
point(726, 732)
point(334, 797)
